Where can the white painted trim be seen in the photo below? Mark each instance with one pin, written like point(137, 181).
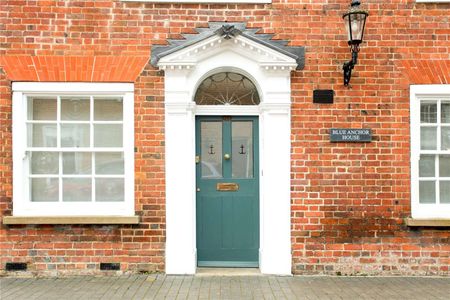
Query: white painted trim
point(274, 135)
point(180, 188)
point(238, 110)
point(418, 93)
point(203, 1)
point(22, 206)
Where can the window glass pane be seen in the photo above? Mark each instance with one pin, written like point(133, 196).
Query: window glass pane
point(109, 163)
point(428, 138)
point(444, 165)
point(76, 163)
point(211, 149)
point(108, 135)
point(445, 112)
point(428, 112)
point(44, 189)
point(445, 191)
point(445, 138)
point(427, 192)
point(42, 108)
point(44, 163)
point(110, 109)
point(109, 189)
point(75, 135)
point(75, 108)
point(242, 149)
point(41, 135)
point(77, 189)
point(427, 166)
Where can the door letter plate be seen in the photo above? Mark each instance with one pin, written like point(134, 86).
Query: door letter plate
point(227, 187)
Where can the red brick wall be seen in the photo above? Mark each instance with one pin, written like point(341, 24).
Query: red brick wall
point(348, 200)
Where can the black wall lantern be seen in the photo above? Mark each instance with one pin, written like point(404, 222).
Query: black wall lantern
point(355, 21)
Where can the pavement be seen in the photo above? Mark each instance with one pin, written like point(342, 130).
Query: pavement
point(214, 286)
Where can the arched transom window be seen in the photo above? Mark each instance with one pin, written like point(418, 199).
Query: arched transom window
point(227, 88)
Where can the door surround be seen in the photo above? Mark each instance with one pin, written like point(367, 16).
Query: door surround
point(184, 71)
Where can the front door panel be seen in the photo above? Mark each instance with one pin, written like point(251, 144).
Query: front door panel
point(227, 191)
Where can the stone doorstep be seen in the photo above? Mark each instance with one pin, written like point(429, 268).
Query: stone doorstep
point(228, 272)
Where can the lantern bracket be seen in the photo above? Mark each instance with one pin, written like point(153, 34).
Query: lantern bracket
point(355, 38)
point(349, 65)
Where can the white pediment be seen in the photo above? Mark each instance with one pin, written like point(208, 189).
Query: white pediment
point(192, 55)
point(221, 38)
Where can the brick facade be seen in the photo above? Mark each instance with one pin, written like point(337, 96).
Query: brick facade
point(349, 201)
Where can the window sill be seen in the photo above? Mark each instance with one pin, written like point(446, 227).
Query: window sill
point(13, 220)
point(427, 222)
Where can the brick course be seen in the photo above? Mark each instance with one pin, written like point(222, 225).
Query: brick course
point(348, 200)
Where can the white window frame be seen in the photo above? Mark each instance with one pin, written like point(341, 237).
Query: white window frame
point(420, 93)
point(22, 206)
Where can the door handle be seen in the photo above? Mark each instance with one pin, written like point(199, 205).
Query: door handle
point(198, 189)
point(227, 156)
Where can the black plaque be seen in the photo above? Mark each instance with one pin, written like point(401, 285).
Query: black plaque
point(323, 96)
point(353, 135)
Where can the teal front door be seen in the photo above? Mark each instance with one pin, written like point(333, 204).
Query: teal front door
point(227, 191)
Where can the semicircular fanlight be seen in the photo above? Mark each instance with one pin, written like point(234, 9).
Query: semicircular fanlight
point(227, 88)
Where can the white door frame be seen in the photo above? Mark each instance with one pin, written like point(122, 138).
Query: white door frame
point(274, 114)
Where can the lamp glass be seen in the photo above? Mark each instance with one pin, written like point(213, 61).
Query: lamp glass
point(354, 24)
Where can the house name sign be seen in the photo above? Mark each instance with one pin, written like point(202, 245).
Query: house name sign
point(350, 135)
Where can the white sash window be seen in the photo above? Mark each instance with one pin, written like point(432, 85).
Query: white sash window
point(430, 151)
point(73, 149)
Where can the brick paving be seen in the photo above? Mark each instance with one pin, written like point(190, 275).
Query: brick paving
point(224, 287)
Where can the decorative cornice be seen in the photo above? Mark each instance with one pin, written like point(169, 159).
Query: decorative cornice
point(228, 31)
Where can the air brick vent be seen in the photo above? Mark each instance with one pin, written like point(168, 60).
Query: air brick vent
point(10, 266)
point(110, 266)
